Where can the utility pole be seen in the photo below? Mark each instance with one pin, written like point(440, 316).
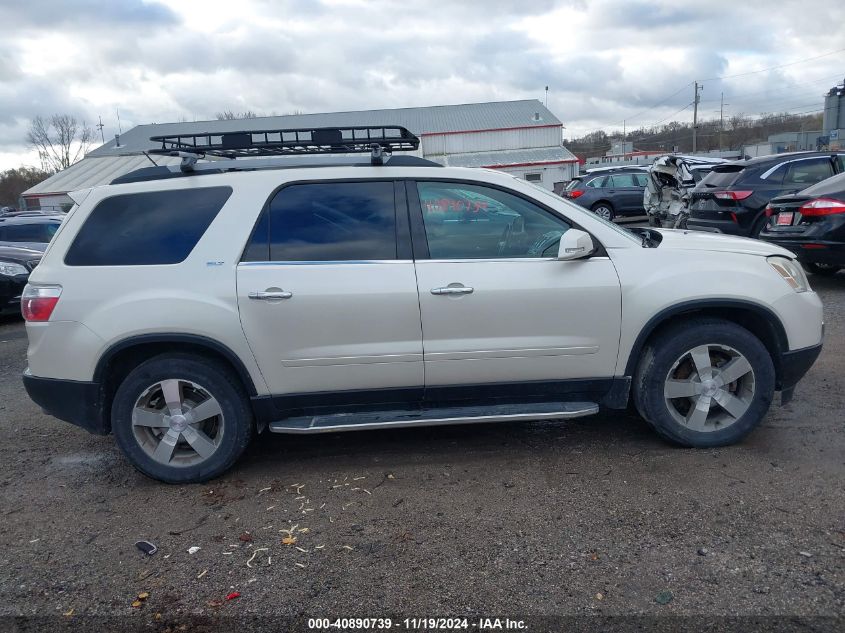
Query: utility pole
point(722, 105)
point(695, 119)
point(100, 127)
point(547, 96)
point(624, 136)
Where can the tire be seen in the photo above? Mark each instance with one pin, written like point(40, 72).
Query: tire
point(669, 356)
point(196, 449)
point(604, 210)
point(757, 227)
point(826, 270)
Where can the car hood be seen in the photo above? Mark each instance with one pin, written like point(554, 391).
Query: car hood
point(682, 239)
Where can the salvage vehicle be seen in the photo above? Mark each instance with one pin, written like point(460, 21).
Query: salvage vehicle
point(609, 193)
point(811, 223)
point(733, 197)
point(669, 182)
point(15, 266)
point(318, 293)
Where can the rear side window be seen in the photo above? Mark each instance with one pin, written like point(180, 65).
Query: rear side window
point(138, 229)
point(641, 179)
point(808, 172)
point(331, 221)
point(623, 180)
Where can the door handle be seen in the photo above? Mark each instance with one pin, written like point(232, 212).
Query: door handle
point(270, 295)
point(452, 290)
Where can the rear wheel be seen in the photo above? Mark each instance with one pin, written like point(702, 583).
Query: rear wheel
point(822, 269)
point(758, 226)
point(181, 418)
point(604, 211)
point(706, 382)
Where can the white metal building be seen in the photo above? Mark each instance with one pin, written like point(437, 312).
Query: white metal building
point(521, 137)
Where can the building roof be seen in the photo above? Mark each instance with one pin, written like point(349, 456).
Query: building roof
point(510, 157)
point(426, 120)
point(104, 164)
point(92, 171)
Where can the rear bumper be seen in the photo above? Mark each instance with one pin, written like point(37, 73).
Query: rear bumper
point(727, 227)
point(73, 401)
point(832, 253)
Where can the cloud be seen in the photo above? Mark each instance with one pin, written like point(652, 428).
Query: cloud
point(604, 61)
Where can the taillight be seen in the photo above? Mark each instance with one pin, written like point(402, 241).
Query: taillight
point(732, 195)
point(575, 194)
point(769, 212)
point(38, 302)
point(822, 206)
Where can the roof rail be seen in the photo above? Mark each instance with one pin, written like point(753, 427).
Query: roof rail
point(372, 139)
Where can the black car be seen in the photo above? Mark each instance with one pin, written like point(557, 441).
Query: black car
point(812, 225)
point(609, 194)
point(29, 231)
point(732, 198)
point(15, 266)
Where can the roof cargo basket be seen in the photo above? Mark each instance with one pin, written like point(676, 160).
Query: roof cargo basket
point(373, 139)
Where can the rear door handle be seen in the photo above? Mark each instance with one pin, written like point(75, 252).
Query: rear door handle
point(270, 295)
point(452, 290)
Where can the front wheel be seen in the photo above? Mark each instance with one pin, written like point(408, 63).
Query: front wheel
point(181, 418)
point(822, 269)
point(706, 382)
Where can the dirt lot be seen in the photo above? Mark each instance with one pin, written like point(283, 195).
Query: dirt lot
point(596, 516)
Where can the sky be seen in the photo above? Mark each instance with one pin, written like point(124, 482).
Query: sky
point(604, 61)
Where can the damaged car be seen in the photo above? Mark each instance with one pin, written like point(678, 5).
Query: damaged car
point(670, 179)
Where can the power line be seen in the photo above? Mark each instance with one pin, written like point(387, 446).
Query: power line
point(763, 70)
point(659, 103)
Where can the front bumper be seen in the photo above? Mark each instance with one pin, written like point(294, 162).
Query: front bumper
point(79, 403)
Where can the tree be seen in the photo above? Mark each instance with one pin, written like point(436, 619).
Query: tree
point(229, 115)
point(60, 140)
point(13, 182)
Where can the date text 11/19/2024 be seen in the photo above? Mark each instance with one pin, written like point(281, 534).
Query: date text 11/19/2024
point(416, 624)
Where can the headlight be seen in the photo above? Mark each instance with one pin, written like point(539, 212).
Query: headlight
point(791, 272)
point(10, 269)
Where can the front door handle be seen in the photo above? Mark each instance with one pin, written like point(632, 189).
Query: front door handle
point(270, 295)
point(452, 290)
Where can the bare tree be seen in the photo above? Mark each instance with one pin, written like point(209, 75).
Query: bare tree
point(229, 115)
point(60, 140)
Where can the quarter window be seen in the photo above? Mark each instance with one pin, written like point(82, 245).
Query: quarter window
point(464, 221)
point(598, 183)
point(331, 221)
point(157, 227)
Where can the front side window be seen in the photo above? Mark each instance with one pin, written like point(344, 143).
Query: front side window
point(465, 221)
point(329, 221)
point(144, 229)
point(808, 172)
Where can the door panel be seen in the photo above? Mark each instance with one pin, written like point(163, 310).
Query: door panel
point(525, 319)
point(495, 307)
point(345, 326)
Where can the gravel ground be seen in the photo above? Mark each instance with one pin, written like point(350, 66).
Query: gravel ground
point(592, 517)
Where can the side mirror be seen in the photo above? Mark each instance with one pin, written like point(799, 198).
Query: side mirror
point(575, 244)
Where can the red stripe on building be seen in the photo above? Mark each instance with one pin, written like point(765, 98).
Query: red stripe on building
point(493, 129)
point(551, 162)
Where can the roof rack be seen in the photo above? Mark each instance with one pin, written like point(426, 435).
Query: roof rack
point(372, 139)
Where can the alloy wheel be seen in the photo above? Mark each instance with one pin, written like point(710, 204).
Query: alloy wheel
point(709, 387)
point(177, 422)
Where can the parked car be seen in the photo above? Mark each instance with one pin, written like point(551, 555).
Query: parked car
point(732, 198)
point(811, 224)
point(15, 265)
point(609, 194)
point(29, 230)
point(670, 179)
point(186, 309)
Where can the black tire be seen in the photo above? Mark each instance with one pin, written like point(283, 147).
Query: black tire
point(662, 353)
point(236, 424)
point(604, 210)
point(826, 270)
point(758, 227)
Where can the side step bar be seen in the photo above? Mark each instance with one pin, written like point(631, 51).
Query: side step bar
point(364, 421)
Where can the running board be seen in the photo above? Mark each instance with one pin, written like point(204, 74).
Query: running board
point(364, 421)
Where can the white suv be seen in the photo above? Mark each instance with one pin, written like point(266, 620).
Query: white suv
point(187, 309)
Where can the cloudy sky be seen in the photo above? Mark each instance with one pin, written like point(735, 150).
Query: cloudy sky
point(604, 61)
